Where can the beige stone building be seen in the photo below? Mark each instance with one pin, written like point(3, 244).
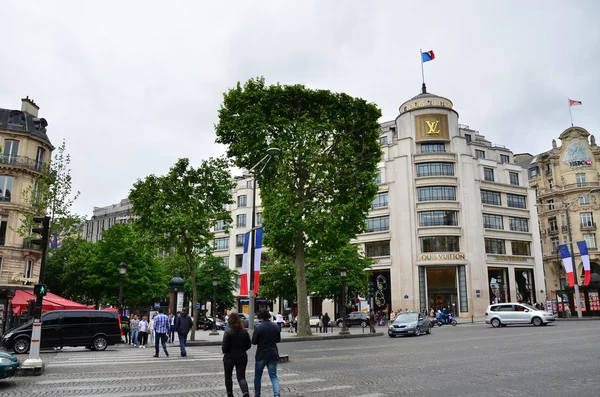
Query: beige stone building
point(566, 175)
point(25, 148)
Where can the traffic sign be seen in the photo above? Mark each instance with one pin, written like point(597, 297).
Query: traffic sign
point(357, 301)
point(156, 305)
point(197, 306)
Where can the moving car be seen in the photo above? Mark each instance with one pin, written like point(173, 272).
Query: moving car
point(410, 324)
point(8, 364)
point(503, 314)
point(94, 329)
point(209, 323)
point(355, 318)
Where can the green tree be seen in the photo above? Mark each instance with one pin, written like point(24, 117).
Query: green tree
point(214, 266)
point(178, 210)
point(278, 280)
point(317, 193)
point(52, 194)
point(66, 268)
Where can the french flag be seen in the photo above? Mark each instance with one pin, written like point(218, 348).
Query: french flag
point(257, 252)
point(567, 263)
point(585, 258)
point(427, 56)
point(244, 278)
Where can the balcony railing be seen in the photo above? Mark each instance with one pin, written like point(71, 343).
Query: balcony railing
point(588, 225)
point(28, 245)
point(552, 231)
point(563, 228)
point(22, 162)
point(579, 185)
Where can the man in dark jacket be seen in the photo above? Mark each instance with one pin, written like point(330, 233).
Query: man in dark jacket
point(183, 324)
point(266, 336)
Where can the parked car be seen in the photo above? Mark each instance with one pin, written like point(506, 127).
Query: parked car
point(94, 329)
point(503, 314)
point(246, 319)
point(209, 323)
point(355, 318)
point(8, 364)
point(314, 321)
point(410, 324)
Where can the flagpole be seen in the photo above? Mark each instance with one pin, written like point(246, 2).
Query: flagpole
point(570, 114)
point(423, 88)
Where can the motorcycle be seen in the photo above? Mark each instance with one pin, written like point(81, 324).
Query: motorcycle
point(447, 319)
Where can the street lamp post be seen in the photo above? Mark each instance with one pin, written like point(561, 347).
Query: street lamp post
point(251, 295)
point(122, 272)
point(344, 330)
point(213, 308)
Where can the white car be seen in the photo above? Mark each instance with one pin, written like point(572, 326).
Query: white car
point(503, 314)
point(314, 321)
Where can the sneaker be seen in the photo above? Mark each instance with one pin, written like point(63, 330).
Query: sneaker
point(156, 356)
point(166, 353)
point(144, 347)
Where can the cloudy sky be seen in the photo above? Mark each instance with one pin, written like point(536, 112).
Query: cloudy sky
point(134, 85)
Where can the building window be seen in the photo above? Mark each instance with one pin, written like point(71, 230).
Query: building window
point(488, 174)
point(377, 248)
point(534, 172)
point(552, 222)
point(3, 228)
point(515, 201)
point(221, 243)
point(489, 197)
point(433, 147)
point(549, 171)
point(28, 270)
point(439, 244)
point(514, 178)
point(435, 169)
point(521, 248)
point(554, 244)
point(39, 158)
point(6, 185)
point(378, 178)
point(381, 201)
point(491, 221)
point(378, 224)
point(580, 178)
point(11, 151)
point(242, 201)
point(518, 224)
point(585, 199)
point(590, 239)
point(383, 140)
point(438, 218)
point(238, 260)
point(468, 138)
point(587, 219)
point(226, 261)
point(480, 154)
point(434, 193)
point(239, 240)
point(240, 220)
point(220, 225)
point(259, 218)
point(504, 158)
point(249, 184)
point(495, 246)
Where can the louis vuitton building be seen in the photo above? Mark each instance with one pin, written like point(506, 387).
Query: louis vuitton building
point(454, 223)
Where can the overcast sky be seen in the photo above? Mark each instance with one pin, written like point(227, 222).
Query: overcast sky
point(133, 86)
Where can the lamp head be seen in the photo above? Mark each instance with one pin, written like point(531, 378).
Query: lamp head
point(122, 268)
point(343, 271)
point(214, 281)
point(273, 151)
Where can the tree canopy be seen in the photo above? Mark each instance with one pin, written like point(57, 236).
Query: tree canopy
point(318, 190)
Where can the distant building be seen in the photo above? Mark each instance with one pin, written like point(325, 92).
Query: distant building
point(105, 217)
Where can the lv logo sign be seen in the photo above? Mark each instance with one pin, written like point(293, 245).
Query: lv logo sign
point(433, 127)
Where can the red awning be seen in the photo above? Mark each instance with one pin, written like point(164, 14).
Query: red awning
point(50, 302)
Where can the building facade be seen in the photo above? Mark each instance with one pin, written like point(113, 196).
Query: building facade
point(26, 148)
point(454, 223)
point(566, 175)
point(104, 217)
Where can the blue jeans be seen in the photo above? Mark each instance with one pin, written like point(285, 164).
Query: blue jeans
point(134, 336)
point(259, 366)
point(160, 339)
point(182, 340)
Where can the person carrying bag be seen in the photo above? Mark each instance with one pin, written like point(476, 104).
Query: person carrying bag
point(236, 342)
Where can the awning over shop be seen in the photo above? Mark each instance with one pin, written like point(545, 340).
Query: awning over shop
point(50, 302)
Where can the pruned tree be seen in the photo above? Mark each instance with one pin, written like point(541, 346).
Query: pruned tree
point(177, 211)
point(317, 192)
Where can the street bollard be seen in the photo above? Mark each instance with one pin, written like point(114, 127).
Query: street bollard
point(363, 328)
point(471, 319)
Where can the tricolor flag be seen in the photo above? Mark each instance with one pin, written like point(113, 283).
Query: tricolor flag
point(574, 103)
point(54, 241)
point(585, 258)
point(567, 263)
point(427, 56)
point(244, 278)
point(257, 252)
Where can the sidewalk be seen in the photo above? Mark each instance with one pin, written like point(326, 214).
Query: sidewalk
point(204, 339)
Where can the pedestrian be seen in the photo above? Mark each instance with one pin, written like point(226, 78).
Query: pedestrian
point(296, 324)
point(161, 326)
point(279, 320)
point(152, 334)
point(266, 336)
point(321, 322)
point(290, 321)
point(183, 324)
point(372, 322)
point(326, 320)
point(171, 328)
point(134, 324)
point(126, 332)
point(236, 342)
point(144, 328)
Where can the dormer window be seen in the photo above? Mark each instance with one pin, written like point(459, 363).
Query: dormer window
point(16, 118)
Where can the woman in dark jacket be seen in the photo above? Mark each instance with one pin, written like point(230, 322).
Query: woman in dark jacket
point(236, 342)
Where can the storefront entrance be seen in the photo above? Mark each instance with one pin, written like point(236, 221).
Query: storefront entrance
point(525, 286)
point(442, 292)
point(498, 285)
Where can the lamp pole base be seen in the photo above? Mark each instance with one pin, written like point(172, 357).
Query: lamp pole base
point(344, 331)
point(32, 367)
point(213, 333)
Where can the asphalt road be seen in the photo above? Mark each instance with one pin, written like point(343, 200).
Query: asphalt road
point(467, 360)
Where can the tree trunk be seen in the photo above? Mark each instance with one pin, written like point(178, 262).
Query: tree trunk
point(303, 321)
point(194, 299)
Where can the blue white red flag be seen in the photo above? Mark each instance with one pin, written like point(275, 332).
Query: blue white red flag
point(427, 56)
point(244, 275)
point(567, 263)
point(585, 258)
point(257, 255)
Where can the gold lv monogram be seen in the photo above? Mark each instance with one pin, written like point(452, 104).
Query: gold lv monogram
point(433, 127)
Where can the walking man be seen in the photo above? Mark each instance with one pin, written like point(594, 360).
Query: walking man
point(266, 336)
point(161, 326)
point(183, 324)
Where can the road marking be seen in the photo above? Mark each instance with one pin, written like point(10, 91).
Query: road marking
point(371, 395)
point(159, 361)
point(128, 378)
point(331, 388)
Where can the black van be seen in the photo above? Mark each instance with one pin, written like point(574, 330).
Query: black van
point(94, 329)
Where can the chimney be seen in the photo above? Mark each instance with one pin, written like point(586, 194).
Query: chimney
point(29, 106)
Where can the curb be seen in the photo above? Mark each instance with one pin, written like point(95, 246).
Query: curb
point(293, 339)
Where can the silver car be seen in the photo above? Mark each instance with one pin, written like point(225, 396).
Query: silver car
point(503, 314)
point(410, 324)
